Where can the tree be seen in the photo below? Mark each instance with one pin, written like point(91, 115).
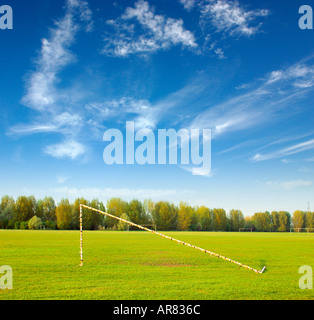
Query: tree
point(39, 209)
point(236, 220)
point(64, 214)
point(6, 201)
point(93, 219)
point(205, 218)
point(249, 223)
point(136, 212)
point(49, 209)
point(262, 221)
point(164, 216)
point(116, 207)
point(149, 207)
point(220, 220)
point(184, 216)
point(298, 219)
point(122, 226)
point(75, 223)
point(310, 220)
point(34, 223)
point(25, 208)
point(7, 210)
point(274, 218)
point(284, 221)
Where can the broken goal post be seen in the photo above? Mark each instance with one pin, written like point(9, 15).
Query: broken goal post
point(158, 234)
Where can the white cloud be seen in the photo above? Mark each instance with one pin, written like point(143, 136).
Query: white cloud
point(290, 185)
point(55, 55)
point(220, 53)
point(188, 4)
point(67, 149)
point(275, 93)
point(54, 115)
point(65, 123)
point(159, 32)
point(229, 17)
point(297, 148)
point(62, 179)
point(301, 74)
point(304, 169)
point(142, 110)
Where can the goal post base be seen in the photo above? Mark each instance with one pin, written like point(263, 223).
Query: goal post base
point(262, 271)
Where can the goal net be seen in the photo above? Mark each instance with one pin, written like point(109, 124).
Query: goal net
point(245, 230)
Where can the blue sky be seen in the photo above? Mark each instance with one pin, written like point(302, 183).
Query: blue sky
point(72, 69)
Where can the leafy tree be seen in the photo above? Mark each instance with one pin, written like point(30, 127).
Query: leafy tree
point(64, 214)
point(136, 212)
point(298, 219)
point(274, 218)
point(35, 223)
point(25, 208)
point(49, 209)
point(24, 225)
point(122, 226)
point(91, 219)
point(184, 216)
point(164, 216)
point(262, 221)
point(116, 207)
point(284, 221)
point(50, 225)
point(205, 218)
point(149, 207)
point(310, 220)
point(7, 210)
point(249, 223)
point(39, 209)
point(236, 220)
point(75, 223)
point(219, 220)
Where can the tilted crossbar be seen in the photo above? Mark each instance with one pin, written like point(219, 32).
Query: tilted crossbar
point(158, 234)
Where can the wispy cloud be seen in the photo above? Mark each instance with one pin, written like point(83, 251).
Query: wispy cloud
point(220, 53)
point(142, 111)
point(290, 185)
point(41, 92)
point(297, 148)
point(65, 123)
point(304, 169)
point(54, 56)
point(258, 105)
point(67, 149)
point(62, 179)
point(158, 32)
point(231, 18)
point(188, 4)
point(301, 74)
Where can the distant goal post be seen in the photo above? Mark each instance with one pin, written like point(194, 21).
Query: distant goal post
point(300, 230)
point(246, 230)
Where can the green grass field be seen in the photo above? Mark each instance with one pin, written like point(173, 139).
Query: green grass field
point(139, 265)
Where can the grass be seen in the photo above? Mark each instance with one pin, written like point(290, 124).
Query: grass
point(139, 265)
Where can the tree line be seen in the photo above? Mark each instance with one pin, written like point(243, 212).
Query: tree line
point(29, 213)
